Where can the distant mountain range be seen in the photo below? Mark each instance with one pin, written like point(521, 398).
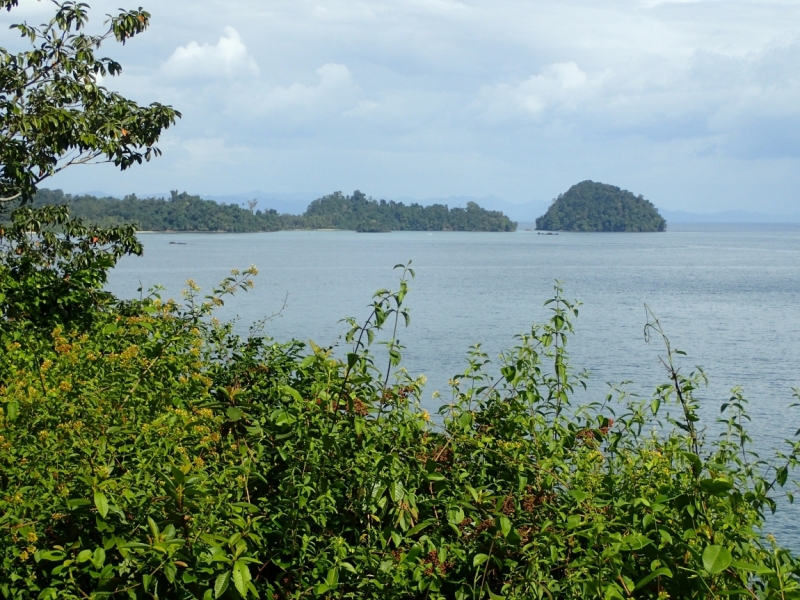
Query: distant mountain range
point(726, 216)
point(295, 203)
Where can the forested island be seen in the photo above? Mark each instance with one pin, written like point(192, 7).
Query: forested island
point(185, 212)
point(593, 206)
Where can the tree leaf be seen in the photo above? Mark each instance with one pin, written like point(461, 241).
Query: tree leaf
point(479, 559)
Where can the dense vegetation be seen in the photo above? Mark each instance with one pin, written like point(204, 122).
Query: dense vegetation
point(184, 212)
point(148, 451)
point(591, 206)
point(358, 212)
point(181, 212)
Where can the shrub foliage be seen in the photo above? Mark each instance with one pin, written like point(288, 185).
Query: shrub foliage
point(148, 451)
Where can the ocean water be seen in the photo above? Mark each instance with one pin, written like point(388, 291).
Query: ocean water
point(727, 295)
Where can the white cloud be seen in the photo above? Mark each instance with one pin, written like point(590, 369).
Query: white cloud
point(299, 106)
point(227, 59)
point(335, 88)
point(559, 86)
point(516, 98)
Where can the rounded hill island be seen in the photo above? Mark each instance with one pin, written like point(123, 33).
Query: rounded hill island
point(592, 206)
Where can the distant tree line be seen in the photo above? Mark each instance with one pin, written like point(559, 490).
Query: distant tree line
point(185, 212)
point(592, 206)
point(357, 212)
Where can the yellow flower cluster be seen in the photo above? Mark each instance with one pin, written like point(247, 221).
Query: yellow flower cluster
point(129, 353)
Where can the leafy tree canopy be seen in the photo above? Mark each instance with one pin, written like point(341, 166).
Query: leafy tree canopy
point(54, 112)
point(592, 206)
point(184, 212)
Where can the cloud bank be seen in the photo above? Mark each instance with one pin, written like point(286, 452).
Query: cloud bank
point(695, 104)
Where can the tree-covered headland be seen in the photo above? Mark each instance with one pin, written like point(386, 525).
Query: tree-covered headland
point(185, 212)
point(149, 451)
point(592, 206)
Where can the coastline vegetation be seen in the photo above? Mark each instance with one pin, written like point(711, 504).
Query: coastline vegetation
point(149, 451)
point(592, 206)
point(185, 212)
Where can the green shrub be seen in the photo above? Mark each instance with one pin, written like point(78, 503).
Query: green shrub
point(150, 452)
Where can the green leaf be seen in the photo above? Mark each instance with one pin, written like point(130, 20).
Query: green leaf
point(84, 555)
point(418, 527)
point(282, 417)
point(222, 584)
point(170, 571)
point(397, 491)
point(655, 405)
point(98, 557)
point(153, 528)
point(694, 460)
point(52, 555)
point(504, 523)
point(716, 559)
point(479, 559)
point(12, 410)
point(657, 573)
point(290, 391)
point(635, 541)
point(716, 487)
point(613, 591)
point(574, 521)
point(241, 576)
point(234, 414)
point(321, 589)
point(781, 476)
point(578, 495)
point(746, 566)
point(101, 502)
point(455, 515)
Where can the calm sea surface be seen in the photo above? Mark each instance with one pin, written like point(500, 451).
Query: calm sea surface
point(728, 296)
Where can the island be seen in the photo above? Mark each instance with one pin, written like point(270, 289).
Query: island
point(185, 212)
point(593, 206)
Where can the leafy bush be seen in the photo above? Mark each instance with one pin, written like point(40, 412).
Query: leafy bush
point(150, 452)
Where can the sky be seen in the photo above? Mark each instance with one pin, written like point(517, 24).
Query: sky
point(693, 103)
